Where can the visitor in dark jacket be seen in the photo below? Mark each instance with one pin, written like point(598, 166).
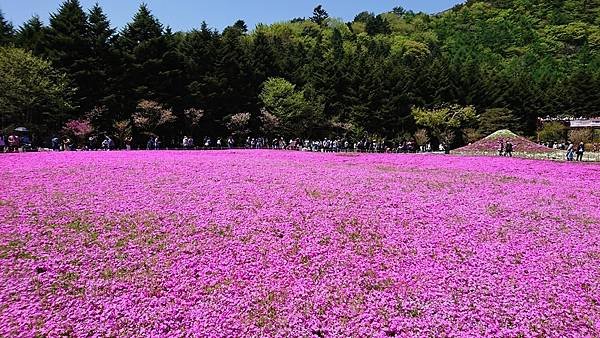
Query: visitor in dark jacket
point(580, 151)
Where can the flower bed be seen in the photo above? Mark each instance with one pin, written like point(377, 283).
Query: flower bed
point(491, 144)
point(262, 243)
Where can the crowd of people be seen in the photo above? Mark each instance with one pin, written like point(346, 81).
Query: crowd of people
point(14, 143)
point(212, 143)
point(93, 143)
point(315, 145)
point(594, 147)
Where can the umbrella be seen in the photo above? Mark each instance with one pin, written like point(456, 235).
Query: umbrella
point(22, 129)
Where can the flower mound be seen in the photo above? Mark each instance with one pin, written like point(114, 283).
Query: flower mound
point(491, 144)
point(261, 243)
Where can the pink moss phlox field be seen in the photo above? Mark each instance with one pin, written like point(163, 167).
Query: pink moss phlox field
point(520, 145)
point(262, 243)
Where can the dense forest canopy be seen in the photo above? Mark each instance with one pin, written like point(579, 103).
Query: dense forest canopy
point(513, 61)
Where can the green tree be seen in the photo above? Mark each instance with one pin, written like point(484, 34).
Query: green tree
point(7, 31)
point(377, 25)
point(31, 35)
point(554, 132)
point(233, 76)
point(142, 46)
point(103, 62)
point(494, 119)
point(68, 46)
point(32, 93)
point(290, 106)
point(263, 62)
point(143, 29)
point(445, 123)
point(200, 48)
point(320, 15)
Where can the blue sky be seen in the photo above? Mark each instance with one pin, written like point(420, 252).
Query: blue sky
point(188, 14)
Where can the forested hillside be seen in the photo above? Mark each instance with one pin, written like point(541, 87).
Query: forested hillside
point(513, 61)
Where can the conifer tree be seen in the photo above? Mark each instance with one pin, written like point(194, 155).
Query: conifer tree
point(31, 35)
point(68, 46)
point(104, 63)
point(320, 15)
point(142, 46)
point(6, 31)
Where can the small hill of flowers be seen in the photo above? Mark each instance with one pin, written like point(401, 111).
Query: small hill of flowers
point(491, 144)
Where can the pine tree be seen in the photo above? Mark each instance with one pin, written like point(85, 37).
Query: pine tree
point(234, 75)
point(377, 25)
point(262, 60)
point(199, 48)
point(143, 29)
point(68, 47)
point(142, 46)
point(320, 15)
point(6, 31)
point(103, 61)
point(172, 89)
point(100, 32)
point(31, 35)
point(582, 98)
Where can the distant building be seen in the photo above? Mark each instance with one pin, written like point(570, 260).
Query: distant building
point(585, 123)
point(593, 124)
point(576, 123)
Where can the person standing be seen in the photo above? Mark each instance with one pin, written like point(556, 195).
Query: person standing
point(570, 152)
point(2, 143)
point(156, 143)
point(105, 144)
point(91, 145)
point(128, 141)
point(12, 142)
point(150, 143)
point(501, 148)
point(509, 149)
point(67, 144)
point(55, 144)
point(110, 143)
point(580, 151)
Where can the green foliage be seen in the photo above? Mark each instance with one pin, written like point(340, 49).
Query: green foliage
point(553, 132)
point(32, 92)
point(512, 60)
point(68, 47)
point(445, 123)
point(6, 31)
point(31, 36)
point(319, 15)
point(144, 29)
point(295, 111)
point(494, 119)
